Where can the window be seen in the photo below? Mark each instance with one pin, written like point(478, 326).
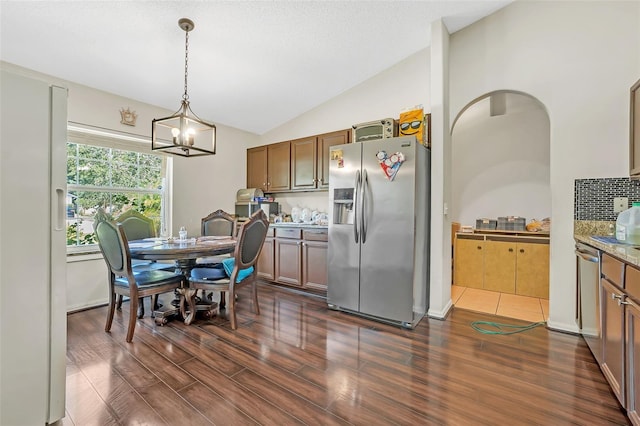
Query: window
point(114, 178)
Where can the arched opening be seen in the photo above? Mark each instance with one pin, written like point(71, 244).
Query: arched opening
point(500, 164)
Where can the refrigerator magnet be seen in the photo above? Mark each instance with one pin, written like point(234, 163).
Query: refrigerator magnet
point(390, 164)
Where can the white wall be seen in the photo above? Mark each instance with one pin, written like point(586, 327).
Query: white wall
point(501, 164)
point(579, 59)
point(404, 85)
point(200, 185)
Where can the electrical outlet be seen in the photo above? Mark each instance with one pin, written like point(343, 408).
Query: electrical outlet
point(620, 204)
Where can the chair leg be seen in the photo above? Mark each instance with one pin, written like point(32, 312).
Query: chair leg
point(140, 307)
point(254, 291)
point(223, 302)
point(232, 309)
point(110, 312)
point(132, 318)
point(119, 306)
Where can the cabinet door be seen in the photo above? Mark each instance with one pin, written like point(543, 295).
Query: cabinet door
point(500, 266)
point(613, 338)
point(278, 166)
point(633, 362)
point(314, 265)
point(257, 168)
point(266, 264)
point(532, 269)
point(288, 261)
point(303, 163)
point(469, 263)
point(326, 141)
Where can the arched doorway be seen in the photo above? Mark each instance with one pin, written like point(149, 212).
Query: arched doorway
point(500, 166)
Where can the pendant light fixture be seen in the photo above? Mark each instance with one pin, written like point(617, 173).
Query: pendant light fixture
point(184, 133)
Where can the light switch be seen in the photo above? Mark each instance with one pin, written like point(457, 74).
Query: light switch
point(620, 204)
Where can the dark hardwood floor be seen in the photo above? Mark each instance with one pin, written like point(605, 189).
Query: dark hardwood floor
point(299, 363)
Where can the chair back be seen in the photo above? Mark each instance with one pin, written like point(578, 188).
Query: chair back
point(136, 225)
point(218, 223)
point(251, 237)
point(114, 247)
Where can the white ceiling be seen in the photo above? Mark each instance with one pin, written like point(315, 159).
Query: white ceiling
point(253, 65)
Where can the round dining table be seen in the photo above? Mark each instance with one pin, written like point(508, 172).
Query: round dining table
point(184, 253)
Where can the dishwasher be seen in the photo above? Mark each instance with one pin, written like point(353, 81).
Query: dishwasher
point(588, 297)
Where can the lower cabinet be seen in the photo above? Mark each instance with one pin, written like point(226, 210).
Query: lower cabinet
point(295, 257)
point(633, 363)
point(620, 314)
point(503, 263)
point(265, 266)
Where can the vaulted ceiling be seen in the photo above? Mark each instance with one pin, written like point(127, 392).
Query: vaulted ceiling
point(253, 65)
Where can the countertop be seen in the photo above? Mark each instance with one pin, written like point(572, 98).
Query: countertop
point(298, 225)
point(626, 252)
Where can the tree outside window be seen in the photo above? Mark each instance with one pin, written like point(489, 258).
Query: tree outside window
point(114, 179)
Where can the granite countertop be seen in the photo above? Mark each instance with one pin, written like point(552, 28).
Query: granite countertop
point(584, 230)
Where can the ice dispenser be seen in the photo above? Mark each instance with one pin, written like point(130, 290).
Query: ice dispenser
point(343, 206)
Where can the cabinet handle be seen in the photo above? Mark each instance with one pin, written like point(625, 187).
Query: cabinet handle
point(510, 250)
point(521, 250)
point(620, 302)
point(479, 247)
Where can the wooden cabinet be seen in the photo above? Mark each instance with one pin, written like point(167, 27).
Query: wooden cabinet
point(507, 264)
point(326, 141)
point(268, 167)
point(298, 165)
point(298, 258)
point(532, 259)
point(633, 360)
point(310, 159)
point(288, 256)
point(469, 261)
point(500, 266)
point(257, 168)
point(265, 266)
point(303, 163)
point(314, 259)
point(613, 339)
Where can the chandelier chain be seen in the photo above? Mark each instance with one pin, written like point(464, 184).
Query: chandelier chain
point(185, 97)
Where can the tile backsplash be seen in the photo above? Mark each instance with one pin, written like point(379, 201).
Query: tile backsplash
point(593, 198)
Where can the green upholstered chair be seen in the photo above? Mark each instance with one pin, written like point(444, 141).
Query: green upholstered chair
point(217, 224)
point(138, 227)
point(240, 273)
point(122, 280)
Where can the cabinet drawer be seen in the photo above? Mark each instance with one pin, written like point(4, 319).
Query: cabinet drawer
point(288, 233)
point(613, 270)
point(315, 235)
point(632, 283)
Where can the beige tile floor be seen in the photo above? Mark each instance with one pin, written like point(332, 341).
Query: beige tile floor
point(506, 305)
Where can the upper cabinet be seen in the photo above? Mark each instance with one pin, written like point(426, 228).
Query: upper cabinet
point(297, 165)
point(634, 131)
point(268, 167)
point(326, 141)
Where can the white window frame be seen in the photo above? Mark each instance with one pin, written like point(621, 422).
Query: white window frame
point(107, 138)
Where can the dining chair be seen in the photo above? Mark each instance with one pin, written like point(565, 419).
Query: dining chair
point(122, 279)
point(216, 224)
point(239, 270)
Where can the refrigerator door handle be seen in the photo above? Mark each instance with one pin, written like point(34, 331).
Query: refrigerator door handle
point(356, 198)
point(365, 188)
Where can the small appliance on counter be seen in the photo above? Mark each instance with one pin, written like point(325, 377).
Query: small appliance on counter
point(249, 200)
point(372, 130)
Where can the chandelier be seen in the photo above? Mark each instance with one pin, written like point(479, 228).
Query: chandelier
point(184, 133)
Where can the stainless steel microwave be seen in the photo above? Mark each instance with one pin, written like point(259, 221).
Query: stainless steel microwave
point(378, 129)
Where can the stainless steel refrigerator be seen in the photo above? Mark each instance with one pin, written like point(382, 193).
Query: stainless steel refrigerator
point(33, 258)
point(378, 259)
